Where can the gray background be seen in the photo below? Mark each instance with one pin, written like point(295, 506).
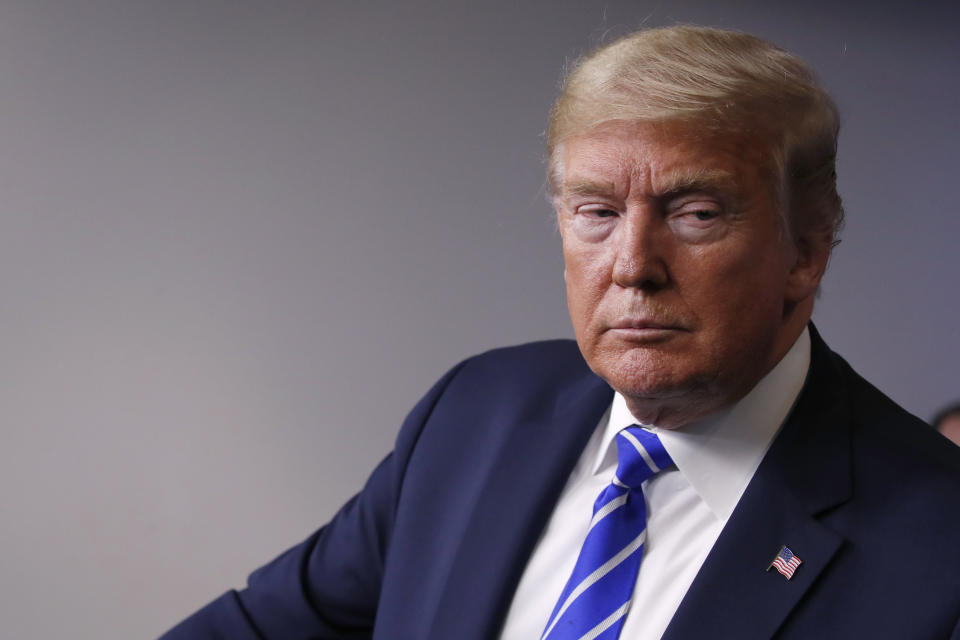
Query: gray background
point(240, 239)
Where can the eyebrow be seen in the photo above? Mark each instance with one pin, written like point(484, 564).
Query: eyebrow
point(587, 188)
point(686, 180)
point(673, 182)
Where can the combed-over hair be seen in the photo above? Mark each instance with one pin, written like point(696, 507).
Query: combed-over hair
point(717, 82)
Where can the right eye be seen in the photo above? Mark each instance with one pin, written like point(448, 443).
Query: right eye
point(596, 211)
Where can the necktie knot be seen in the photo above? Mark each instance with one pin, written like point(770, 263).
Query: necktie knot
point(640, 455)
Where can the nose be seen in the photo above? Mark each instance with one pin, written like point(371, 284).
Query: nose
point(641, 247)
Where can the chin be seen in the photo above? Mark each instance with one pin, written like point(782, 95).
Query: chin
point(668, 398)
point(643, 374)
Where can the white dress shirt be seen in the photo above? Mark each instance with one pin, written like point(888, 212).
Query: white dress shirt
point(687, 506)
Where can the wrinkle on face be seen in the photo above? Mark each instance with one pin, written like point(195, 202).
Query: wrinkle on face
point(682, 236)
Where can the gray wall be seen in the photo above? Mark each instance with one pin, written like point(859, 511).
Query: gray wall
point(240, 239)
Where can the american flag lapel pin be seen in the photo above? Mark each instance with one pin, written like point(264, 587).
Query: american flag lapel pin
point(786, 562)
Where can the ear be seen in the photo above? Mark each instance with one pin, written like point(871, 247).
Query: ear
point(812, 255)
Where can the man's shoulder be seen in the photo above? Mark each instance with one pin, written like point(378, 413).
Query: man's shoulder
point(550, 354)
point(884, 427)
point(892, 448)
point(844, 423)
point(545, 363)
point(532, 374)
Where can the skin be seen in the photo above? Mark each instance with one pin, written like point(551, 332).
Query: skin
point(683, 284)
point(950, 427)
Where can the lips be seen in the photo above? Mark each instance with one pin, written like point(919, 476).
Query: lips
point(646, 323)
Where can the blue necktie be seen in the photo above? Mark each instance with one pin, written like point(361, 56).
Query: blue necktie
point(596, 598)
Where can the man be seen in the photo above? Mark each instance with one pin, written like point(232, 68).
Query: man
point(781, 495)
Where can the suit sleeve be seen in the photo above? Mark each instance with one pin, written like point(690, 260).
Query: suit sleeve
point(329, 585)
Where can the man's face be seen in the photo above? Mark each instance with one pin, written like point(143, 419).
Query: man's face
point(681, 277)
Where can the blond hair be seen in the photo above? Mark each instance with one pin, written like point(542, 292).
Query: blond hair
point(719, 82)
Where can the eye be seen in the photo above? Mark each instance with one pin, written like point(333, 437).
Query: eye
point(603, 213)
point(596, 211)
point(704, 214)
point(698, 220)
point(697, 212)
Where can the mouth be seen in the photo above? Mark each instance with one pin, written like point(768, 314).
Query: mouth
point(641, 324)
point(646, 329)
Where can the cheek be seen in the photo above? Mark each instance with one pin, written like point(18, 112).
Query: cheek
point(585, 261)
point(586, 281)
point(742, 296)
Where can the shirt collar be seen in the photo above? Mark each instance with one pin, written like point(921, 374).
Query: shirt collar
point(719, 454)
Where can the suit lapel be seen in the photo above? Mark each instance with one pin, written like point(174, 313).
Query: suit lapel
point(805, 473)
point(519, 494)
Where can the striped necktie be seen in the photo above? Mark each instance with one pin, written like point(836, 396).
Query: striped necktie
point(596, 598)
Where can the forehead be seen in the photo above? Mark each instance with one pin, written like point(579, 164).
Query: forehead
point(660, 157)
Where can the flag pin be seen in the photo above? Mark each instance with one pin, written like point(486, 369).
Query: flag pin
point(786, 562)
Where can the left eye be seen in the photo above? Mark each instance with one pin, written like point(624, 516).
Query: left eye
point(704, 215)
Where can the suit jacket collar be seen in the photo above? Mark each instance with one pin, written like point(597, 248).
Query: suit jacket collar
point(520, 492)
point(806, 472)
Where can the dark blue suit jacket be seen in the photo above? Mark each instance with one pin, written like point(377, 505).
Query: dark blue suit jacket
point(433, 547)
